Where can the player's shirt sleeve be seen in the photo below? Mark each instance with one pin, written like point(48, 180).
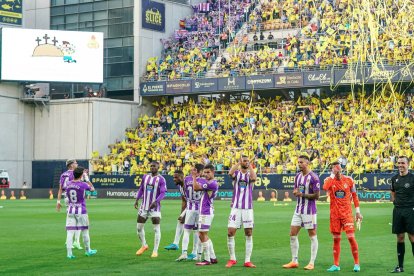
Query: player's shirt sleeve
point(63, 180)
point(234, 175)
point(212, 186)
point(141, 188)
point(327, 184)
point(353, 192)
point(162, 189)
point(316, 185)
point(392, 187)
point(86, 186)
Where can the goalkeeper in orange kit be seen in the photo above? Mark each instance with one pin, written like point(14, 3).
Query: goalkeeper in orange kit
point(341, 191)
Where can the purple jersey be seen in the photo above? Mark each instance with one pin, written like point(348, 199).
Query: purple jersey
point(242, 191)
point(192, 197)
point(65, 178)
point(209, 193)
point(75, 193)
point(306, 184)
point(152, 189)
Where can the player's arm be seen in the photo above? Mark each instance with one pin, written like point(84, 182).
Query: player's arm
point(315, 195)
point(196, 185)
point(163, 190)
point(233, 169)
point(253, 175)
point(392, 190)
point(59, 195)
point(183, 203)
point(355, 199)
point(327, 184)
point(140, 193)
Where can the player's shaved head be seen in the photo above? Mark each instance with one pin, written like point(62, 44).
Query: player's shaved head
point(178, 177)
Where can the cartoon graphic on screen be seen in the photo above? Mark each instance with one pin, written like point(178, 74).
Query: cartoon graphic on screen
point(93, 44)
point(68, 50)
point(65, 49)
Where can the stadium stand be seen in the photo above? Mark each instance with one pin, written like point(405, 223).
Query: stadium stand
point(365, 134)
point(195, 45)
point(282, 36)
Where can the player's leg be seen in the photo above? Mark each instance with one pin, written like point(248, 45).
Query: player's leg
point(335, 228)
point(295, 227)
point(83, 227)
point(196, 241)
point(354, 249)
point(179, 229)
point(234, 222)
point(70, 232)
point(76, 242)
point(188, 226)
point(248, 223)
point(204, 224)
point(142, 218)
point(69, 242)
point(310, 225)
point(399, 228)
point(157, 235)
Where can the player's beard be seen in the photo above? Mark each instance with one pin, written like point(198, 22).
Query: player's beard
point(244, 167)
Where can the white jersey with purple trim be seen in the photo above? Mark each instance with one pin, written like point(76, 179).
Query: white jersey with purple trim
point(210, 191)
point(65, 178)
point(75, 193)
point(192, 197)
point(152, 189)
point(306, 184)
point(242, 191)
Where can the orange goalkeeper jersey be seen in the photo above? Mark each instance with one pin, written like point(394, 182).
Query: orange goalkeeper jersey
point(341, 192)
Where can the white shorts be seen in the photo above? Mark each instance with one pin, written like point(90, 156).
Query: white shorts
point(191, 219)
point(204, 222)
point(304, 220)
point(149, 214)
point(241, 216)
point(77, 222)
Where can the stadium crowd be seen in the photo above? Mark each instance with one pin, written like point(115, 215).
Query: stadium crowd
point(365, 134)
point(333, 33)
point(195, 45)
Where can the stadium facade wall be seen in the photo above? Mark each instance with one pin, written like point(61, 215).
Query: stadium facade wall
point(16, 139)
point(75, 128)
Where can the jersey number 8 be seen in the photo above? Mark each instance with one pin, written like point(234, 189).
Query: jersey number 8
point(73, 196)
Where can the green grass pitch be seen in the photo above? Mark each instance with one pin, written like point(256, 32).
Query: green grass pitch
point(33, 235)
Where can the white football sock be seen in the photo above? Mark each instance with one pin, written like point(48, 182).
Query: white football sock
point(212, 253)
point(178, 233)
point(86, 240)
point(314, 249)
point(157, 237)
point(77, 236)
point(141, 233)
point(231, 245)
point(186, 240)
point(69, 241)
point(196, 241)
point(206, 250)
point(249, 248)
point(294, 248)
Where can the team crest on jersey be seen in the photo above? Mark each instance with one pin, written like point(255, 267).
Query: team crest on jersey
point(407, 185)
point(205, 186)
point(345, 186)
point(340, 194)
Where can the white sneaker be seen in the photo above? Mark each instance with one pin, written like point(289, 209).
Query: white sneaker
point(183, 257)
